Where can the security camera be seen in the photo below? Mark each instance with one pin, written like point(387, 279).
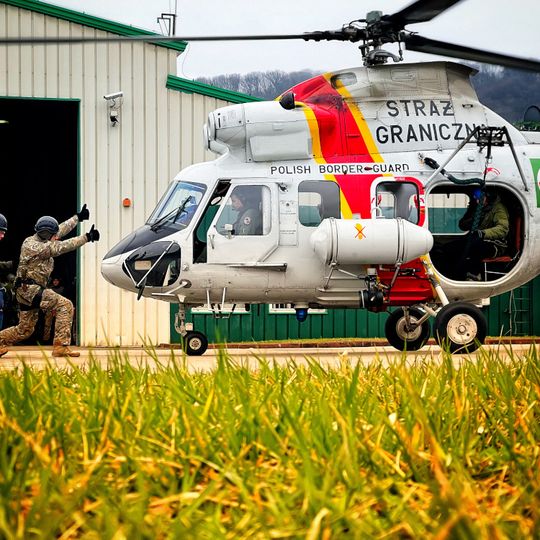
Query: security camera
point(114, 96)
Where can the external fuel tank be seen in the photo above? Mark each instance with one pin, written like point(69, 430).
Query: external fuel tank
point(370, 241)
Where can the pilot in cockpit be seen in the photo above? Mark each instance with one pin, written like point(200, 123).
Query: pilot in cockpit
point(248, 222)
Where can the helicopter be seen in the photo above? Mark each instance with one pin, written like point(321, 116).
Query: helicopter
point(347, 172)
point(355, 182)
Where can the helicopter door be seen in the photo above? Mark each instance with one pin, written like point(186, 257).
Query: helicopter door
point(246, 229)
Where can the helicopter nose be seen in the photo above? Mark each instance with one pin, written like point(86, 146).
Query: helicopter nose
point(111, 270)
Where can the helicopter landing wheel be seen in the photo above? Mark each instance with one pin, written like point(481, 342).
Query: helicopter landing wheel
point(407, 335)
point(460, 327)
point(195, 343)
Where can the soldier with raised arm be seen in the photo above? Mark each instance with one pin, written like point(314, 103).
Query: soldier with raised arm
point(36, 264)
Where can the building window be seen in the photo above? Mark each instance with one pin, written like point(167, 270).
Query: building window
point(288, 309)
point(237, 309)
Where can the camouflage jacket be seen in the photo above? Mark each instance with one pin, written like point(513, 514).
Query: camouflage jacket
point(37, 259)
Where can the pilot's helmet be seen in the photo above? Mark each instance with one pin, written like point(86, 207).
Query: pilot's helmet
point(477, 194)
point(3, 223)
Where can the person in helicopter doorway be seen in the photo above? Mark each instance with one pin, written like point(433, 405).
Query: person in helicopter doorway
point(487, 220)
point(36, 264)
point(244, 202)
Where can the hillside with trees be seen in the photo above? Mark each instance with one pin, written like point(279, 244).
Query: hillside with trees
point(506, 91)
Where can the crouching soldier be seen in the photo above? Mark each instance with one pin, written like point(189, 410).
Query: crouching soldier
point(36, 264)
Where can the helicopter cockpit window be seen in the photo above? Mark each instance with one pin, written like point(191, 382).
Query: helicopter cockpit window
point(178, 205)
point(247, 212)
point(317, 200)
point(397, 200)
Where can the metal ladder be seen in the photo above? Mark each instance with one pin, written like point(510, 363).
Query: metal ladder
point(519, 306)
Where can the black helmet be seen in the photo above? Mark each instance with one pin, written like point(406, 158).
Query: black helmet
point(3, 223)
point(46, 227)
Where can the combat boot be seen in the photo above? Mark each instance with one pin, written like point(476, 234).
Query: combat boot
point(63, 350)
point(3, 350)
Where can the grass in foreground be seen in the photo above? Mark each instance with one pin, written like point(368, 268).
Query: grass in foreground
point(422, 451)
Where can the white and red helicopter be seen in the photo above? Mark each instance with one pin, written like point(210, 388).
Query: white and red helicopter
point(348, 171)
point(359, 178)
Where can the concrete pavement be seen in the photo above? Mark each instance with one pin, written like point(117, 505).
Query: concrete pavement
point(41, 358)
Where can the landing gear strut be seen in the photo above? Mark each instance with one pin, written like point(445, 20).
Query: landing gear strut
point(459, 327)
point(407, 329)
point(193, 343)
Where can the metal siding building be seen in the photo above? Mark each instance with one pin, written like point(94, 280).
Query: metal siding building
point(159, 132)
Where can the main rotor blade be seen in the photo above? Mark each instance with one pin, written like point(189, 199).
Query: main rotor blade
point(414, 42)
point(419, 11)
point(152, 38)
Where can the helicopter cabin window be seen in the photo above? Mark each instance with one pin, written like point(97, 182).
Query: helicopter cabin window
point(317, 200)
point(178, 206)
point(247, 212)
point(397, 200)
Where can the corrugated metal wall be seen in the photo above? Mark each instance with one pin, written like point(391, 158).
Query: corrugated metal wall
point(159, 133)
point(512, 313)
point(515, 313)
point(259, 325)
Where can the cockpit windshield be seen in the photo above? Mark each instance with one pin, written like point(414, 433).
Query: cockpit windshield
point(178, 205)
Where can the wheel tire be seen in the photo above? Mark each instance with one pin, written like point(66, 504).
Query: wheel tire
point(195, 343)
point(402, 338)
point(460, 327)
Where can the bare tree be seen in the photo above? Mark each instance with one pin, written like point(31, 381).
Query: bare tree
point(263, 84)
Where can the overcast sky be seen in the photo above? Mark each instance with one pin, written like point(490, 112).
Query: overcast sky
point(498, 25)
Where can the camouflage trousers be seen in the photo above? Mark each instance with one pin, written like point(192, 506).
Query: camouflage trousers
point(27, 320)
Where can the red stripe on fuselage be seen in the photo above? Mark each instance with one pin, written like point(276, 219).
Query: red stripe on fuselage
point(341, 140)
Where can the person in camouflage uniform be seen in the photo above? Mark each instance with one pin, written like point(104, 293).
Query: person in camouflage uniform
point(36, 264)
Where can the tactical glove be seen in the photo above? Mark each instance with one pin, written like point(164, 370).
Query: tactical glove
point(478, 234)
point(92, 235)
point(83, 214)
